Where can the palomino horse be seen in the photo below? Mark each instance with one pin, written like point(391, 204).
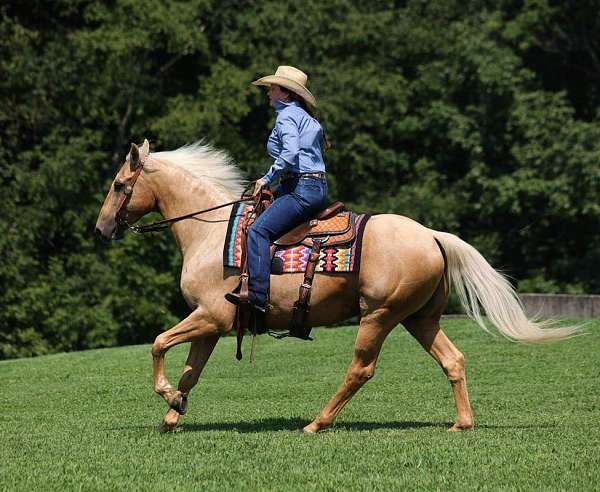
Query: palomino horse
point(404, 278)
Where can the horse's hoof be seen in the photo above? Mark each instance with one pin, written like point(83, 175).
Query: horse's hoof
point(165, 428)
point(313, 428)
point(179, 403)
point(460, 428)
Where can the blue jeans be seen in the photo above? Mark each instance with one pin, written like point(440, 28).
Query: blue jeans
point(298, 200)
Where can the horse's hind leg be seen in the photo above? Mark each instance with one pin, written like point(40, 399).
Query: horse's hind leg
point(437, 344)
point(424, 326)
point(200, 352)
point(374, 327)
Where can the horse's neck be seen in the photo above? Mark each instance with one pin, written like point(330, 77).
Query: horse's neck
point(179, 193)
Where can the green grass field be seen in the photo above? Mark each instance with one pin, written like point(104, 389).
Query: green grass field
point(86, 420)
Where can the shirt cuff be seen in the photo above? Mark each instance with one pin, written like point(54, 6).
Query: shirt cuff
point(267, 179)
point(275, 170)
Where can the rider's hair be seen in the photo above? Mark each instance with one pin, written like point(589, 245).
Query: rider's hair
point(311, 111)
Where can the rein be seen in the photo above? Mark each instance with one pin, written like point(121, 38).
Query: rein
point(164, 224)
point(160, 225)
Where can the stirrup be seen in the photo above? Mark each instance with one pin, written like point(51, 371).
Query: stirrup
point(277, 335)
point(281, 335)
point(302, 336)
point(234, 298)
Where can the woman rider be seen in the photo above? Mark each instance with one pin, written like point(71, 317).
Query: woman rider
point(295, 144)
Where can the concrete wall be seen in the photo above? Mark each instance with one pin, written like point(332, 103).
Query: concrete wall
point(561, 305)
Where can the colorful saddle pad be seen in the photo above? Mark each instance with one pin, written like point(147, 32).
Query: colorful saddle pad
point(293, 259)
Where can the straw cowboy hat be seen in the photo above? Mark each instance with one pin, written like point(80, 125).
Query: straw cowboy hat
point(292, 79)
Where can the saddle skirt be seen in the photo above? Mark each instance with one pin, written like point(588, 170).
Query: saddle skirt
point(339, 232)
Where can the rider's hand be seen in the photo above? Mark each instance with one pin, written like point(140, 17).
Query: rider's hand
point(259, 185)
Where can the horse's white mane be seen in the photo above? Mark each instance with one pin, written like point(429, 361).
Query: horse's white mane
point(203, 161)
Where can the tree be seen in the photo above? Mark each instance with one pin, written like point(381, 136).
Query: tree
point(480, 118)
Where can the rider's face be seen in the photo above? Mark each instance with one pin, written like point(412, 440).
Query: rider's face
point(277, 93)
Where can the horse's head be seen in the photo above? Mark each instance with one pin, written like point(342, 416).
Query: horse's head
point(129, 197)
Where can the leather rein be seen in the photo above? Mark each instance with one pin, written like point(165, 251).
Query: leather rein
point(160, 225)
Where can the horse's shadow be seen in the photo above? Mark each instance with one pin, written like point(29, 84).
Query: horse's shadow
point(296, 424)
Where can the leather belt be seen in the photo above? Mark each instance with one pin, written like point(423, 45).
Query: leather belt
point(287, 176)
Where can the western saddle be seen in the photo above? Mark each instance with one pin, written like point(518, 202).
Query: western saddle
point(330, 227)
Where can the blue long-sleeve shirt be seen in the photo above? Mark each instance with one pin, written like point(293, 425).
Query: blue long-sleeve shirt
point(295, 142)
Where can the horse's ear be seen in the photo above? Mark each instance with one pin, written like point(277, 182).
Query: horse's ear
point(134, 157)
point(145, 150)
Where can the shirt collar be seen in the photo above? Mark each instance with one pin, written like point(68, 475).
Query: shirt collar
point(281, 105)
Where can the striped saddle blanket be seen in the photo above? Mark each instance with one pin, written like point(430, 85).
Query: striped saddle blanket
point(293, 259)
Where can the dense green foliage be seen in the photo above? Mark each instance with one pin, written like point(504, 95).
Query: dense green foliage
point(478, 117)
point(536, 414)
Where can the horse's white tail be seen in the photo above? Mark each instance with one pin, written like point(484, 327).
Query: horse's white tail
point(478, 284)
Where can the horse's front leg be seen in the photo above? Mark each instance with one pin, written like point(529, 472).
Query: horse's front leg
point(197, 325)
point(200, 352)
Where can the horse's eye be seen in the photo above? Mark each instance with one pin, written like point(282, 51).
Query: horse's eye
point(119, 185)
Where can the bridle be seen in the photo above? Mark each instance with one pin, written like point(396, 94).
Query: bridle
point(127, 192)
point(159, 225)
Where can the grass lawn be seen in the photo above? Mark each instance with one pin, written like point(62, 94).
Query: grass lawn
point(86, 420)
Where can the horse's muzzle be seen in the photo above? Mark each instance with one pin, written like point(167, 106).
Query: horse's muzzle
point(100, 234)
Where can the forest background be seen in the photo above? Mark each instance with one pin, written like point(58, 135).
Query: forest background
point(481, 118)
